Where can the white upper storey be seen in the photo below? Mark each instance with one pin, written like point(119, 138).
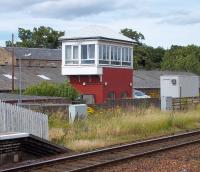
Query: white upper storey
point(90, 49)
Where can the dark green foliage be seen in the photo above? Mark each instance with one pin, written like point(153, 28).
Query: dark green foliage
point(42, 37)
point(8, 43)
point(147, 57)
point(52, 89)
point(181, 58)
point(134, 35)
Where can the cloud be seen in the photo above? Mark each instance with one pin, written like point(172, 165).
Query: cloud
point(182, 18)
point(166, 12)
point(162, 22)
point(76, 8)
point(16, 5)
point(65, 9)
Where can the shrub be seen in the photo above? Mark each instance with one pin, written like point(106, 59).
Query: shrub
point(52, 89)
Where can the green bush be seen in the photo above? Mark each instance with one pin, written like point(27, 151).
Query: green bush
point(52, 89)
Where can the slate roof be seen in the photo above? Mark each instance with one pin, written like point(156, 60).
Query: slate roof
point(29, 76)
point(151, 79)
point(142, 78)
point(95, 32)
point(37, 53)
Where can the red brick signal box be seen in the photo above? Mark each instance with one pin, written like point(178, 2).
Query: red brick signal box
point(98, 63)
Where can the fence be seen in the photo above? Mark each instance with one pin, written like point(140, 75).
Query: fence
point(48, 109)
point(17, 119)
point(144, 103)
point(185, 103)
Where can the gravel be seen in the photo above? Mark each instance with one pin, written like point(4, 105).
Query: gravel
point(183, 159)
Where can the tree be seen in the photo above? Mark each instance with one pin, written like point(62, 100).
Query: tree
point(182, 59)
point(8, 43)
point(147, 57)
point(134, 35)
point(42, 37)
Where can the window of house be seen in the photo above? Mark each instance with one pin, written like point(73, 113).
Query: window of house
point(71, 54)
point(108, 52)
point(100, 52)
point(130, 54)
point(126, 56)
point(112, 53)
point(91, 50)
point(115, 55)
point(68, 54)
point(75, 52)
point(104, 54)
point(84, 53)
point(119, 53)
point(115, 60)
point(88, 54)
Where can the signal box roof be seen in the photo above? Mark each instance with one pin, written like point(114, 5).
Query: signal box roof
point(96, 32)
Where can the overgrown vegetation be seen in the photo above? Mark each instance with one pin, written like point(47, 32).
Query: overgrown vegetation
point(52, 89)
point(107, 127)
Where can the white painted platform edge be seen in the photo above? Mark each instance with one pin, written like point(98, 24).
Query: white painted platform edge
point(7, 136)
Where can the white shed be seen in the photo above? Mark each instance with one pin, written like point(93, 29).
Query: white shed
point(179, 86)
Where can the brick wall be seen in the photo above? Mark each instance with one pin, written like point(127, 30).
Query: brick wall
point(5, 57)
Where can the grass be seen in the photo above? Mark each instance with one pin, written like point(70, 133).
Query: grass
point(108, 127)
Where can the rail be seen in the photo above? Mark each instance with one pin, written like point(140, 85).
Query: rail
point(93, 159)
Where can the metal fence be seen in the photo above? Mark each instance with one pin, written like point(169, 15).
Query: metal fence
point(17, 119)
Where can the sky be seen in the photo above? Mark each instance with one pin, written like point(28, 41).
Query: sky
point(162, 22)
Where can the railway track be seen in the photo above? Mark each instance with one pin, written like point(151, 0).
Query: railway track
point(93, 159)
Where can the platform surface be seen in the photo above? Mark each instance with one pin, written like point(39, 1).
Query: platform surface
point(12, 135)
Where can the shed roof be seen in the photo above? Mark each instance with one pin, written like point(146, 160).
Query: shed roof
point(142, 78)
point(29, 76)
point(96, 32)
point(36, 53)
point(151, 79)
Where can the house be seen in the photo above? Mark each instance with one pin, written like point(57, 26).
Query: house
point(5, 57)
point(36, 56)
point(98, 63)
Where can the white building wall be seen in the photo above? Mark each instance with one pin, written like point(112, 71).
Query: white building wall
point(89, 69)
point(186, 86)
